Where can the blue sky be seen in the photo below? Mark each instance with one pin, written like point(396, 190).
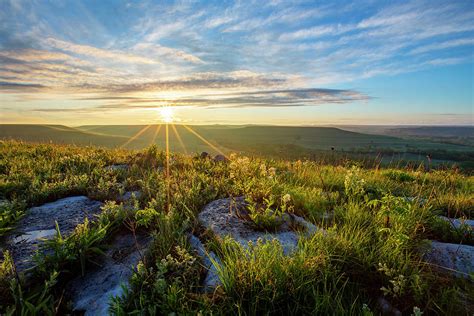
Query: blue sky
point(248, 62)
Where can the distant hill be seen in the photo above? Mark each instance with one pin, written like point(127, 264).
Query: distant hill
point(238, 137)
point(273, 141)
point(57, 134)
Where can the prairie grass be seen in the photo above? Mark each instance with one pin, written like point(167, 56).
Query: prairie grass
point(376, 220)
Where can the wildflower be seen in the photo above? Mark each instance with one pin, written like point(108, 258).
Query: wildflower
point(271, 172)
point(286, 198)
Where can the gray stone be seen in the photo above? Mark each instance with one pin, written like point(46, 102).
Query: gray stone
point(118, 167)
point(457, 223)
point(309, 228)
point(387, 308)
point(210, 262)
point(454, 258)
point(220, 158)
point(92, 292)
point(128, 195)
point(39, 224)
point(219, 217)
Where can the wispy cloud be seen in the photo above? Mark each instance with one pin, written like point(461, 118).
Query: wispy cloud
point(110, 55)
point(270, 98)
point(443, 45)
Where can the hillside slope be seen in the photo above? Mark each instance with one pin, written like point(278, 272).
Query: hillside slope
point(57, 134)
point(240, 138)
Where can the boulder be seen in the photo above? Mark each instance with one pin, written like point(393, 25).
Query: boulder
point(39, 223)
point(454, 258)
point(204, 155)
point(211, 281)
point(90, 294)
point(221, 216)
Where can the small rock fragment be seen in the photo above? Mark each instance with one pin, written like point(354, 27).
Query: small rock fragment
point(220, 158)
point(117, 167)
point(128, 195)
point(387, 308)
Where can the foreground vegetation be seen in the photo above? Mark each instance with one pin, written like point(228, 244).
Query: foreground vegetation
point(375, 220)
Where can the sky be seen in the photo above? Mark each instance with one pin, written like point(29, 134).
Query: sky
point(244, 62)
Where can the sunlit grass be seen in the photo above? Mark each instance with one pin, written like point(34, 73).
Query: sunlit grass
point(359, 259)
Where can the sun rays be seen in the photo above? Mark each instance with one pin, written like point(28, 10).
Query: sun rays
point(168, 118)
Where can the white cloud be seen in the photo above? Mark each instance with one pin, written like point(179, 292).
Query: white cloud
point(443, 45)
point(111, 55)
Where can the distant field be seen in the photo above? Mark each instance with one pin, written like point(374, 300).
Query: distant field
point(273, 141)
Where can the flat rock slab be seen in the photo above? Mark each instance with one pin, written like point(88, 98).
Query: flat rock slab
point(219, 217)
point(40, 223)
point(91, 293)
point(458, 259)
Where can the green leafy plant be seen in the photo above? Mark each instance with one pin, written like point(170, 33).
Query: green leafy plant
point(268, 215)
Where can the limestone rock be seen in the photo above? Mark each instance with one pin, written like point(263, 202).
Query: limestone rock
point(40, 223)
point(92, 292)
point(219, 217)
point(457, 223)
point(455, 258)
point(212, 281)
point(118, 167)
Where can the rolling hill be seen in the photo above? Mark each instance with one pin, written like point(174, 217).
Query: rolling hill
point(273, 141)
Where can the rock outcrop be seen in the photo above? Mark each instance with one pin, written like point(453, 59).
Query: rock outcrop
point(40, 223)
point(210, 262)
point(90, 294)
point(458, 223)
point(220, 216)
point(453, 258)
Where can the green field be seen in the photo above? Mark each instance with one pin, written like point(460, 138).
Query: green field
point(370, 248)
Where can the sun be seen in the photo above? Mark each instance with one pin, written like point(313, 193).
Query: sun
point(167, 114)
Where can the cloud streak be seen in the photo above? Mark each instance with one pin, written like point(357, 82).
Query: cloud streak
point(271, 98)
